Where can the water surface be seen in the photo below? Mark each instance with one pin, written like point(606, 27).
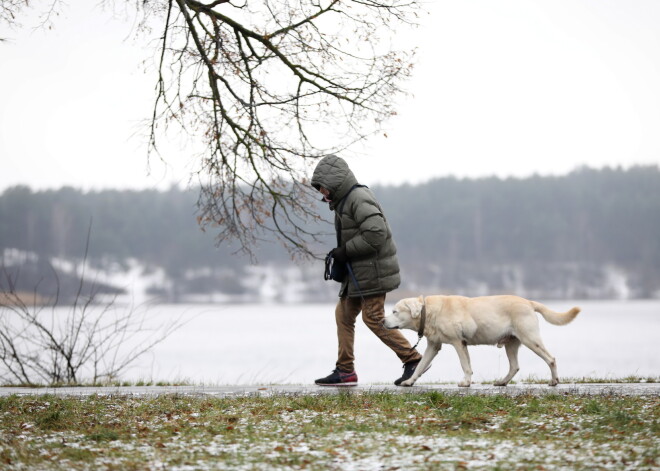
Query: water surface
point(248, 344)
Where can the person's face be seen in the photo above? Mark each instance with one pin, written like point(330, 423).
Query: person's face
point(325, 192)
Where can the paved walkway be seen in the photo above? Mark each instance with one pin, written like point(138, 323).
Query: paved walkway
point(621, 389)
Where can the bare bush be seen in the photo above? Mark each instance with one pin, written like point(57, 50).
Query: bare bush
point(83, 342)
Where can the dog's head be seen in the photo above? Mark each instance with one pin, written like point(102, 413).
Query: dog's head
point(405, 314)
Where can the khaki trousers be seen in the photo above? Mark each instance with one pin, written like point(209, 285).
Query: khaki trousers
point(373, 312)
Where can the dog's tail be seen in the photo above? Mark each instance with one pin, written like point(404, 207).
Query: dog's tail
point(556, 318)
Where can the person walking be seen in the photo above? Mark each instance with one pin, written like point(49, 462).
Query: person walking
point(364, 240)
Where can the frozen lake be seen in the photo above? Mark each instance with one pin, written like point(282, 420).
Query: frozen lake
point(295, 344)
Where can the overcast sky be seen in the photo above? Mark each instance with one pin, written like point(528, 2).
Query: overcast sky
point(506, 88)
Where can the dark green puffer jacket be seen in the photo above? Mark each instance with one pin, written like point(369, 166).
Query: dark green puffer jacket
point(364, 230)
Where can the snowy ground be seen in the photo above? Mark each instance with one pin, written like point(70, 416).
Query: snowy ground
point(362, 432)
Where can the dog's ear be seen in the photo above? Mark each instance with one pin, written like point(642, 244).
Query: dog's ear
point(414, 306)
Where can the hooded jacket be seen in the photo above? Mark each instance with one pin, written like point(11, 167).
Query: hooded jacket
point(364, 232)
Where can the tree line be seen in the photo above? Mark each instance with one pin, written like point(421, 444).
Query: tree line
point(538, 234)
point(557, 229)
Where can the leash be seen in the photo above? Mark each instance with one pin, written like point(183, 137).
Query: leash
point(357, 287)
point(354, 280)
point(422, 324)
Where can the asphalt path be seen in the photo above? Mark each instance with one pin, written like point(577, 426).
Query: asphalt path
point(600, 389)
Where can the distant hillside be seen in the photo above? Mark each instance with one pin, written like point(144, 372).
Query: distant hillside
point(589, 234)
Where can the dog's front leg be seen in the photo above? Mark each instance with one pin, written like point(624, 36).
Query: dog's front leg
point(431, 351)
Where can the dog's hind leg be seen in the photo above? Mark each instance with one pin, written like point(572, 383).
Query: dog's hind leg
point(464, 357)
point(536, 345)
point(527, 330)
point(511, 347)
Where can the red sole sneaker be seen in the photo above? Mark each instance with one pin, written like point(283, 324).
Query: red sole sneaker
point(340, 385)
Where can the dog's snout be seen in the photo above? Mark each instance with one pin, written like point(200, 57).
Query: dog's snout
point(384, 325)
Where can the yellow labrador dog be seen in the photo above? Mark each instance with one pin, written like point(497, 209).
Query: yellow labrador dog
point(488, 320)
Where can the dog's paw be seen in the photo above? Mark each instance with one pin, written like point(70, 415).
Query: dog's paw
point(553, 382)
point(499, 383)
point(463, 384)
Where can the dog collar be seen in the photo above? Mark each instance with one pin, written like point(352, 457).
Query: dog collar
point(422, 324)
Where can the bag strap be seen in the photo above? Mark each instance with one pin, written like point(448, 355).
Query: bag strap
point(340, 208)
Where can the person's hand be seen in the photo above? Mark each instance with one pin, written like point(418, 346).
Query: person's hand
point(339, 254)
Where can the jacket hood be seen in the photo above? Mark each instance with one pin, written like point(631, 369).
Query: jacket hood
point(333, 173)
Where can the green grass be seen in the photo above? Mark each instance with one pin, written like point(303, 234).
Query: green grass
point(430, 430)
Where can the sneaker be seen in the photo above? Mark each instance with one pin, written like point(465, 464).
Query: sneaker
point(408, 370)
point(338, 378)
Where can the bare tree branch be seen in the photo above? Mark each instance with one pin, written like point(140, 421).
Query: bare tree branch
point(270, 88)
point(265, 89)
